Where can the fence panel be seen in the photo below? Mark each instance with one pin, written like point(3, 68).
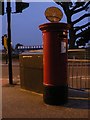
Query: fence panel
point(78, 73)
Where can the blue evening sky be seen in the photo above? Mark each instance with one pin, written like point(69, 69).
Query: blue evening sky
point(24, 26)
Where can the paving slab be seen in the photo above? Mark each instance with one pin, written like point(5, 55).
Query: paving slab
point(19, 103)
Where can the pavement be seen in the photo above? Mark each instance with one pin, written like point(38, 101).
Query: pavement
point(20, 103)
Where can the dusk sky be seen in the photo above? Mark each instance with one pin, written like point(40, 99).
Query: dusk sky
point(24, 26)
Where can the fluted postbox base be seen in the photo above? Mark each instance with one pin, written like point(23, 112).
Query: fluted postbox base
point(55, 95)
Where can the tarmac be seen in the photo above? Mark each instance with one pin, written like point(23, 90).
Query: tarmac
point(20, 103)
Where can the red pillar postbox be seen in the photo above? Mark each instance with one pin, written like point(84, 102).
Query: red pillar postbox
point(55, 62)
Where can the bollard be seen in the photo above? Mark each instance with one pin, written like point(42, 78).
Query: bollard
point(55, 42)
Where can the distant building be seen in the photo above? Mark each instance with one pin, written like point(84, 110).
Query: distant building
point(34, 47)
